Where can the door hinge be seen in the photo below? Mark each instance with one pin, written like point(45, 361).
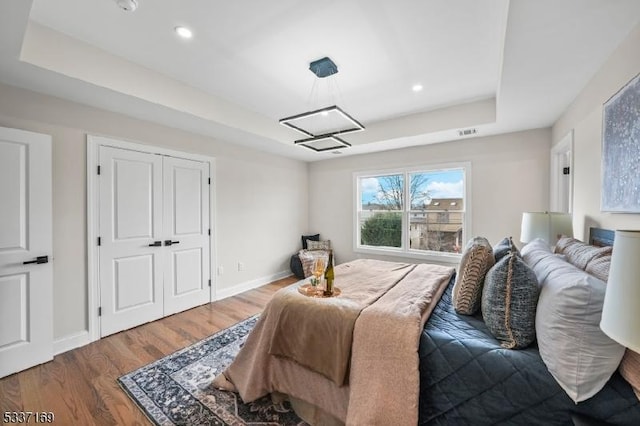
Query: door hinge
point(99, 241)
point(209, 181)
point(566, 170)
point(209, 231)
point(98, 169)
point(209, 283)
point(100, 311)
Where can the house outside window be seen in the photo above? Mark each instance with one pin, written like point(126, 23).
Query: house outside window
point(420, 212)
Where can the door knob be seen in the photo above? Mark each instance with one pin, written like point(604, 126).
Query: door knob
point(38, 260)
point(169, 242)
point(156, 244)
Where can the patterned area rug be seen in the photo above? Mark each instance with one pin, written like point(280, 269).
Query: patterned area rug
point(176, 390)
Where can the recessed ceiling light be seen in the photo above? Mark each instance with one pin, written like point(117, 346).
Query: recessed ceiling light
point(183, 32)
point(416, 87)
point(127, 5)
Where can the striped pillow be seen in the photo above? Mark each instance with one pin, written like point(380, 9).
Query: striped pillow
point(599, 266)
point(630, 370)
point(477, 259)
point(579, 254)
point(565, 242)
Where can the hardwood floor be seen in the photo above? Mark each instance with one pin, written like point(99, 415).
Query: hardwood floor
point(80, 386)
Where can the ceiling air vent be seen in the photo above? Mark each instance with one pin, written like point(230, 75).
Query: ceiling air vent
point(468, 132)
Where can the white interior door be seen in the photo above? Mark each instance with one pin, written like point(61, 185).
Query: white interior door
point(564, 186)
point(131, 264)
point(561, 193)
point(186, 228)
point(26, 285)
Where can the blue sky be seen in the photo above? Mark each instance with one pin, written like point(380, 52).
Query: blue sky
point(440, 184)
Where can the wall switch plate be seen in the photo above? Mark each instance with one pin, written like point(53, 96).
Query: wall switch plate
point(220, 270)
point(241, 266)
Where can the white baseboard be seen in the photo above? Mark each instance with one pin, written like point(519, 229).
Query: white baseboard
point(81, 338)
point(250, 285)
point(71, 341)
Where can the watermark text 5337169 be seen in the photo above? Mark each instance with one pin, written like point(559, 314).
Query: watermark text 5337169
point(22, 417)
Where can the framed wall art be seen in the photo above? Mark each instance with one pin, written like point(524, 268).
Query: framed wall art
point(621, 150)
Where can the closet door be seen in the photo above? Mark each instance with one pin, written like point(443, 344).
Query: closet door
point(26, 275)
point(131, 245)
point(186, 234)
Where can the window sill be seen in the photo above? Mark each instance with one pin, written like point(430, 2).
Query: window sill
point(432, 256)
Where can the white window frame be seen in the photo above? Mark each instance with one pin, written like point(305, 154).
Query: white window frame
point(405, 251)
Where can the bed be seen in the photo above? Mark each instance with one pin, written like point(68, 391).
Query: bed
point(467, 378)
point(463, 374)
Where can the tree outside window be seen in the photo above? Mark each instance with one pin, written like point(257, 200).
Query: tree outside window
point(432, 220)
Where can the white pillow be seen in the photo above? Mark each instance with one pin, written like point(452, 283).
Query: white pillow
point(539, 257)
point(577, 353)
point(534, 251)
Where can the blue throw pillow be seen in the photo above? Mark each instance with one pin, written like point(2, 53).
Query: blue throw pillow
point(315, 237)
point(503, 248)
point(509, 302)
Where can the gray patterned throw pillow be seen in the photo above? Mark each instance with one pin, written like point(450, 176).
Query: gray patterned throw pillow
point(476, 261)
point(319, 245)
point(504, 247)
point(509, 302)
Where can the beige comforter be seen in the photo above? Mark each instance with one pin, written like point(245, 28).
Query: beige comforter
point(317, 333)
point(394, 301)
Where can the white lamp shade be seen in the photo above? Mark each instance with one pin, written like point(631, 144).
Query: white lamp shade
point(621, 309)
point(546, 225)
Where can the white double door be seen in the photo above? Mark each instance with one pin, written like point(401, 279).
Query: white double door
point(153, 237)
point(26, 274)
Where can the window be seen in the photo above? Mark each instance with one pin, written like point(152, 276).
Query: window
point(417, 212)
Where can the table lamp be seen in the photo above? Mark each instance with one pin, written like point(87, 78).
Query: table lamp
point(621, 309)
point(549, 226)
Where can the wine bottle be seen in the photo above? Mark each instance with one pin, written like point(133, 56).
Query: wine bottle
point(328, 276)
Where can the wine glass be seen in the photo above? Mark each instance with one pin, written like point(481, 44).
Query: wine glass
point(318, 269)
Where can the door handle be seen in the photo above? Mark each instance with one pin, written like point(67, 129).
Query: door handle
point(156, 244)
point(169, 242)
point(38, 260)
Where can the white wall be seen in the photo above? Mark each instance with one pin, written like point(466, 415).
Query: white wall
point(262, 204)
point(585, 117)
point(510, 174)
point(262, 201)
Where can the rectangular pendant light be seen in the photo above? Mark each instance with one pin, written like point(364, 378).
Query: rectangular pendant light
point(323, 143)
